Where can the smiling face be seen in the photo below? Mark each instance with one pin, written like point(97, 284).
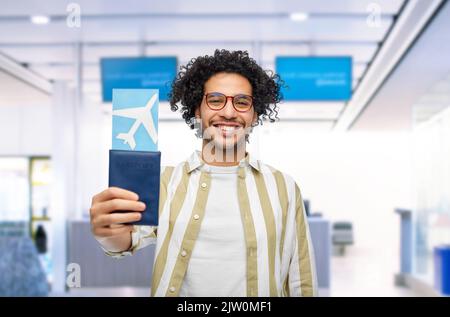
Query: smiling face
point(226, 128)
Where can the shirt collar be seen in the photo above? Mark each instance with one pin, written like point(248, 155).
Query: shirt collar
point(195, 161)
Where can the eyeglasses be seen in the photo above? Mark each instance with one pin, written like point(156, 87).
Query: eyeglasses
point(217, 101)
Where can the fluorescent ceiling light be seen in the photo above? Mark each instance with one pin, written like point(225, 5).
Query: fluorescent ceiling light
point(299, 16)
point(40, 19)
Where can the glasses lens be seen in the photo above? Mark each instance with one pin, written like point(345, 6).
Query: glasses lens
point(242, 102)
point(215, 100)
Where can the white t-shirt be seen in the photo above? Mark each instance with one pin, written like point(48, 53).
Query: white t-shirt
point(218, 261)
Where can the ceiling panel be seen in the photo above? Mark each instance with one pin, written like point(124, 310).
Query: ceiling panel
point(40, 54)
point(267, 29)
point(102, 7)
point(67, 72)
point(93, 53)
point(196, 29)
point(186, 52)
point(361, 53)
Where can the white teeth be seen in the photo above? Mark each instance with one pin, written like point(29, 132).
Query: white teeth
point(228, 128)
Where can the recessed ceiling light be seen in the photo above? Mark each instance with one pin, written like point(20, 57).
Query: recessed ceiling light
point(40, 19)
point(299, 16)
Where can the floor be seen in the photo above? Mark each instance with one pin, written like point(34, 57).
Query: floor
point(365, 273)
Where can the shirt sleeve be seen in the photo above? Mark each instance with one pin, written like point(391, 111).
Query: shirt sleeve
point(302, 271)
point(141, 237)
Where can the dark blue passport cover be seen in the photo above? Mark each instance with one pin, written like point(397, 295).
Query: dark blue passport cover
point(138, 171)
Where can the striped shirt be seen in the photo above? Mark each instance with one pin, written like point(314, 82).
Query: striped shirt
point(278, 248)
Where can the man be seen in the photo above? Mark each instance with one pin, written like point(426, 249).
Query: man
point(229, 225)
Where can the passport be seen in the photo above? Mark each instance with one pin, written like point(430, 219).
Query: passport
point(138, 171)
point(134, 160)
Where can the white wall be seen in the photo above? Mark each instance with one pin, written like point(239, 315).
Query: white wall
point(360, 177)
point(25, 129)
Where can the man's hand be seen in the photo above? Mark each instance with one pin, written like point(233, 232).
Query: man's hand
point(110, 227)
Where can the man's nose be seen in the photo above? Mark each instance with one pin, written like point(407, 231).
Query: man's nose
point(228, 111)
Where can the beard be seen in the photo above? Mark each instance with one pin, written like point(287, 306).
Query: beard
point(224, 145)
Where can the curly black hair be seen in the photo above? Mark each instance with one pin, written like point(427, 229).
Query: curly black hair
point(188, 86)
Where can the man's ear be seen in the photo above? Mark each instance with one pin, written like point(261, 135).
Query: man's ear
point(197, 112)
point(255, 118)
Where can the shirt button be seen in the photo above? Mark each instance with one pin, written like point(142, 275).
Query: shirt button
point(183, 253)
point(172, 289)
point(204, 185)
point(196, 217)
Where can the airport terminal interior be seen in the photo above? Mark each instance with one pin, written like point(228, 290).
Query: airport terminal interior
point(364, 129)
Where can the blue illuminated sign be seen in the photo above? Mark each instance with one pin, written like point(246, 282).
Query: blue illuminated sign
point(134, 73)
point(316, 78)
